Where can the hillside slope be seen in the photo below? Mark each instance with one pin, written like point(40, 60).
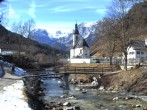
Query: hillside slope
point(137, 21)
point(33, 50)
point(131, 81)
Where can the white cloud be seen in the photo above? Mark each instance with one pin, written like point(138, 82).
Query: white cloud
point(68, 8)
point(62, 9)
point(40, 6)
point(101, 11)
point(12, 14)
point(32, 9)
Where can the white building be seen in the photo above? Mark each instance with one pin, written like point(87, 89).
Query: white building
point(137, 51)
point(80, 53)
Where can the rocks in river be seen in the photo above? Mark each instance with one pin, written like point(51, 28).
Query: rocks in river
point(61, 106)
point(64, 96)
point(101, 88)
point(129, 97)
point(41, 93)
point(138, 105)
point(71, 108)
point(68, 97)
point(40, 81)
point(84, 91)
point(77, 108)
point(67, 104)
point(94, 82)
point(116, 99)
point(71, 97)
point(73, 81)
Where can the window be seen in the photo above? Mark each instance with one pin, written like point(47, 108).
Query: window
point(137, 52)
point(142, 52)
point(131, 53)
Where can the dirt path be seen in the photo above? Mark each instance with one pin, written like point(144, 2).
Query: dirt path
point(8, 78)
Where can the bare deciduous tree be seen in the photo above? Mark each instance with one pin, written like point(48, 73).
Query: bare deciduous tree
point(3, 11)
point(24, 28)
point(105, 31)
point(30, 25)
point(118, 11)
point(135, 1)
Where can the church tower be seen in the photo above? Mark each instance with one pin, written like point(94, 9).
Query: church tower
point(75, 35)
point(80, 53)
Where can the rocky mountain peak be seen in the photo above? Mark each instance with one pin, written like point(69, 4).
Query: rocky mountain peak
point(86, 30)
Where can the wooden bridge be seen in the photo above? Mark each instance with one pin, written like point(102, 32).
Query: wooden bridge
point(63, 72)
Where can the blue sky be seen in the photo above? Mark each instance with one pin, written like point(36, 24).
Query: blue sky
point(57, 14)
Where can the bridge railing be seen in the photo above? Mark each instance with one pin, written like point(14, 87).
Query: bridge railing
point(80, 70)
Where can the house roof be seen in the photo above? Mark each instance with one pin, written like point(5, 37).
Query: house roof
point(138, 45)
point(82, 43)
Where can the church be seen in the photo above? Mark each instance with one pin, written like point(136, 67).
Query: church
point(80, 53)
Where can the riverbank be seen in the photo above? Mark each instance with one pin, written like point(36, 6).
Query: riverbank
point(11, 92)
point(131, 81)
point(134, 80)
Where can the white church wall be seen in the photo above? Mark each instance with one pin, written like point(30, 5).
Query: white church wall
point(79, 52)
point(72, 54)
point(80, 60)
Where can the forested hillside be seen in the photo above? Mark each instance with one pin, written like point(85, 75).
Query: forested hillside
point(33, 50)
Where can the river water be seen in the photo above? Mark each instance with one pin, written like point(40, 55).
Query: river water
point(92, 99)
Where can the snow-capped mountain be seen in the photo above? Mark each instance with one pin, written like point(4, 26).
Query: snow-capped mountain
point(86, 30)
point(42, 36)
point(62, 40)
point(58, 34)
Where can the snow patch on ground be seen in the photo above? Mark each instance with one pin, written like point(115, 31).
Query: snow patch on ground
point(12, 97)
